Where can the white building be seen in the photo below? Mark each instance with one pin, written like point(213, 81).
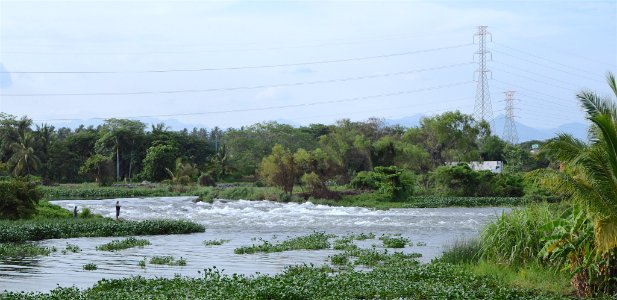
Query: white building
point(495, 166)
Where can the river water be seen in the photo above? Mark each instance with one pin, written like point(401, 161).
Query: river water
point(241, 222)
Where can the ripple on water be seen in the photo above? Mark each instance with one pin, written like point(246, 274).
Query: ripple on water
point(240, 222)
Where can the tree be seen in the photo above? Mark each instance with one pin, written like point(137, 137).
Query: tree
point(279, 169)
point(318, 167)
point(158, 159)
point(100, 167)
point(589, 178)
point(119, 136)
point(24, 160)
point(451, 136)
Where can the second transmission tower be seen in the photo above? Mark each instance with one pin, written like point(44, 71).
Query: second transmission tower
point(510, 134)
point(483, 110)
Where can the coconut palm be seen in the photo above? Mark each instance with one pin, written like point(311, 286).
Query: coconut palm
point(24, 160)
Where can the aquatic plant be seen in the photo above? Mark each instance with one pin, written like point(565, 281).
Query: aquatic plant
point(71, 248)
point(215, 242)
point(23, 250)
point(34, 230)
point(167, 260)
point(116, 245)
point(314, 241)
point(90, 267)
point(394, 242)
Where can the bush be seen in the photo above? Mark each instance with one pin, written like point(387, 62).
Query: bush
point(18, 199)
point(393, 183)
point(206, 180)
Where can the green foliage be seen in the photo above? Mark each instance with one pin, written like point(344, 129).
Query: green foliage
point(24, 160)
point(392, 183)
point(462, 252)
point(167, 260)
point(515, 238)
point(46, 210)
point(100, 167)
point(279, 169)
point(314, 241)
point(215, 242)
point(18, 198)
point(89, 192)
point(462, 181)
point(127, 243)
point(34, 230)
point(90, 267)
point(394, 276)
point(158, 158)
point(394, 242)
point(19, 250)
point(71, 248)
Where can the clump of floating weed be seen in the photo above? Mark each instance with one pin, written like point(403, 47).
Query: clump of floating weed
point(116, 245)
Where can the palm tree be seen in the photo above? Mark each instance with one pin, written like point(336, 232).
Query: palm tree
point(23, 160)
point(589, 178)
point(590, 175)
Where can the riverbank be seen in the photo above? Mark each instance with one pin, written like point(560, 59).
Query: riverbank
point(349, 198)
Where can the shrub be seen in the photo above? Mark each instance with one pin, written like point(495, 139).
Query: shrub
point(393, 183)
point(18, 199)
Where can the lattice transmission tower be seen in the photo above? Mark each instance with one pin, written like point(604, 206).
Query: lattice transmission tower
point(510, 134)
point(483, 110)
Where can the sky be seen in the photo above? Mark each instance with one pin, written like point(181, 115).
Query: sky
point(235, 63)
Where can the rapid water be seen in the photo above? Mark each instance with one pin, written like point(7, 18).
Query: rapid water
point(240, 222)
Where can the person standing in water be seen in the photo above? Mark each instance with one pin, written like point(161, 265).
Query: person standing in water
point(117, 209)
point(75, 212)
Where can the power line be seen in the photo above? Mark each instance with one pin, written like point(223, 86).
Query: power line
point(550, 60)
point(248, 67)
point(578, 74)
point(280, 106)
point(301, 83)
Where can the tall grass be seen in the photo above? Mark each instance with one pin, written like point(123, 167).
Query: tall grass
point(516, 238)
point(462, 252)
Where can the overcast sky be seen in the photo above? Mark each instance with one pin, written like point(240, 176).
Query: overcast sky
point(233, 63)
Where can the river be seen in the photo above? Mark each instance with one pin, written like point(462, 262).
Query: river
point(241, 222)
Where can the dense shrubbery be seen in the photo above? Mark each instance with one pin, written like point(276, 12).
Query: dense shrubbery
point(462, 181)
point(87, 192)
point(392, 183)
point(34, 230)
point(18, 198)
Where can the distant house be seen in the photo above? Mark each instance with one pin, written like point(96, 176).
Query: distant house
point(535, 149)
point(495, 166)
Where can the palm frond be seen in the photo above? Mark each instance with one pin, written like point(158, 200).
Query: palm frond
point(611, 82)
point(564, 148)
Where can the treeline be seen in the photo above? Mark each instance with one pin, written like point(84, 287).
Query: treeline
point(317, 155)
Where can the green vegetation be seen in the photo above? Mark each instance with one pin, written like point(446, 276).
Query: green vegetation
point(34, 230)
point(19, 198)
point(90, 267)
point(314, 241)
point(23, 250)
point(127, 243)
point(167, 260)
point(398, 276)
point(215, 242)
point(394, 242)
point(374, 201)
point(71, 248)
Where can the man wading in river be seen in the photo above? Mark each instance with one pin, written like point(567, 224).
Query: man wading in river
point(117, 210)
